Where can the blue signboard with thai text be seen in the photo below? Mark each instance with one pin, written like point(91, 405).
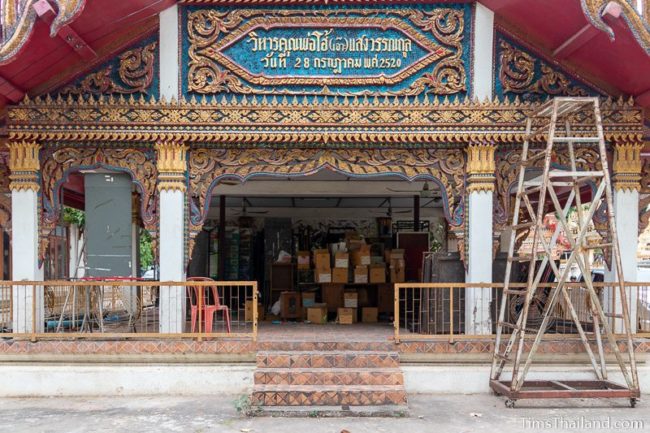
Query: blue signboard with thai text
point(328, 51)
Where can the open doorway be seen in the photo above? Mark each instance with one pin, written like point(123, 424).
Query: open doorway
point(327, 241)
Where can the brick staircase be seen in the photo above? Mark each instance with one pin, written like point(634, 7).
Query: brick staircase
point(328, 379)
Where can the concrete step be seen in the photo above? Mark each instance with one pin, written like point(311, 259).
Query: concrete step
point(391, 411)
point(327, 359)
point(334, 376)
point(330, 395)
point(320, 346)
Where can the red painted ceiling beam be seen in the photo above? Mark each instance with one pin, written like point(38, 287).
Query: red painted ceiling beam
point(46, 12)
point(10, 91)
point(585, 34)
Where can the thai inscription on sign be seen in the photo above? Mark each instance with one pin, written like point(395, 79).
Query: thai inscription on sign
point(340, 52)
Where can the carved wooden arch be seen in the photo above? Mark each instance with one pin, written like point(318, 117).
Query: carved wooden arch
point(59, 163)
point(506, 178)
point(445, 167)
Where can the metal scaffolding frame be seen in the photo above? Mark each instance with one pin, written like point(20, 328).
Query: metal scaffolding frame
point(567, 122)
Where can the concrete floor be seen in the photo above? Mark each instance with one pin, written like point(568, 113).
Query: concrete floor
point(429, 413)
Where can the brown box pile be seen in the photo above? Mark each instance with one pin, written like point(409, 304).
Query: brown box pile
point(339, 275)
point(361, 274)
point(323, 276)
point(377, 273)
point(322, 272)
point(347, 316)
point(369, 314)
point(303, 260)
point(361, 256)
point(341, 260)
point(317, 314)
point(350, 299)
point(308, 299)
point(397, 266)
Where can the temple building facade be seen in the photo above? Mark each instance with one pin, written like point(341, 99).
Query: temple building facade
point(314, 160)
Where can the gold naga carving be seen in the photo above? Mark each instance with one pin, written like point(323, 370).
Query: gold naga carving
point(59, 162)
point(207, 76)
point(517, 75)
point(18, 19)
point(627, 166)
point(480, 167)
point(136, 71)
point(24, 165)
point(639, 24)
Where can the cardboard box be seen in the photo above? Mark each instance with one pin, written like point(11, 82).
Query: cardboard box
point(323, 275)
point(308, 299)
point(361, 258)
point(322, 260)
point(339, 275)
point(342, 260)
point(350, 299)
point(347, 316)
point(317, 314)
point(303, 260)
point(389, 255)
point(361, 274)
point(369, 314)
point(397, 271)
point(377, 273)
point(248, 311)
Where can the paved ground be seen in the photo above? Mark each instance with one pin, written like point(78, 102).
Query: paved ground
point(429, 413)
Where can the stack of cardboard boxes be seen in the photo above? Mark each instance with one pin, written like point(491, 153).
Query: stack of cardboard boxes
point(322, 271)
point(395, 259)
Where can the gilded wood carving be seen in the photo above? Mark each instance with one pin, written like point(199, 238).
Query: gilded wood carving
point(639, 25)
point(446, 167)
point(60, 162)
point(5, 193)
point(136, 73)
point(517, 75)
point(287, 122)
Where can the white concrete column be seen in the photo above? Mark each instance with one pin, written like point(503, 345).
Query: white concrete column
point(483, 53)
point(627, 175)
point(480, 167)
point(169, 55)
point(28, 314)
point(171, 187)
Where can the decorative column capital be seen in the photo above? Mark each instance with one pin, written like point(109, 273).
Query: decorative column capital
point(480, 167)
point(172, 165)
point(627, 166)
point(24, 165)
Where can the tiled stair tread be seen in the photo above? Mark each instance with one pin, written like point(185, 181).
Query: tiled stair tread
point(325, 346)
point(327, 388)
point(327, 352)
point(297, 376)
point(393, 370)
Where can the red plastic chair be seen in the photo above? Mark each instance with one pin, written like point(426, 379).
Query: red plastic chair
point(196, 293)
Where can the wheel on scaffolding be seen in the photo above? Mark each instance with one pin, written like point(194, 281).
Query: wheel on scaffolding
point(633, 402)
point(510, 403)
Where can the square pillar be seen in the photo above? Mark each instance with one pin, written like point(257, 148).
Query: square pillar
point(169, 53)
point(171, 186)
point(627, 176)
point(478, 300)
point(28, 313)
point(483, 53)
